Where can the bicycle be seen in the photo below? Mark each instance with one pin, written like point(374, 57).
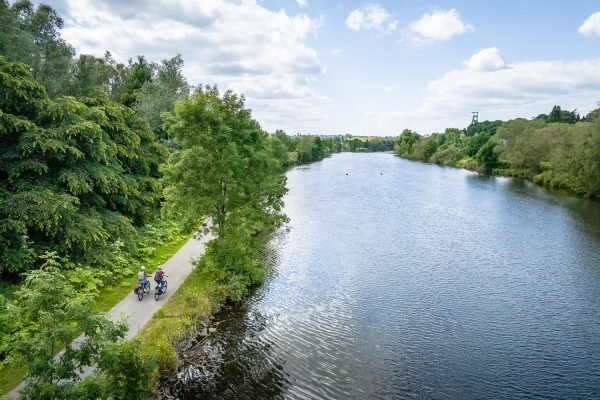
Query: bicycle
point(160, 289)
point(141, 290)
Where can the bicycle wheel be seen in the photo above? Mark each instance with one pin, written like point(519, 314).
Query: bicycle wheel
point(164, 289)
point(156, 293)
point(140, 294)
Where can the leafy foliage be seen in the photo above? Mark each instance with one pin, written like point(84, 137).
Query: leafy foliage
point(49, 314)
point(226, 170)
point(556, 150)
point(159, 95)
point(74, 172)
point(30, 35)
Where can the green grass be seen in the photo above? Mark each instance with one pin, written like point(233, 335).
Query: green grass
point(195, 300)
point(11, 377)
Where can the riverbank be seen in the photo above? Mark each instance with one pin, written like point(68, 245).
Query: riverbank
point(546, 180)
point(553, 154)
point(186, 319)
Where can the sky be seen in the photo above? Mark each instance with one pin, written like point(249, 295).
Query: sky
point(362, 68)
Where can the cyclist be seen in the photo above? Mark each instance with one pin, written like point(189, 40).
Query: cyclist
point(159, 277)
point(143, 278)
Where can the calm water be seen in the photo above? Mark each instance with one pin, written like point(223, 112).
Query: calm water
point(409, 280)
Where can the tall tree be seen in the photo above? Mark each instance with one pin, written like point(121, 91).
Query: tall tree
point(223, 167)
point(73, 173)
point(31, 35)
point(140, 72)
point(159, 95)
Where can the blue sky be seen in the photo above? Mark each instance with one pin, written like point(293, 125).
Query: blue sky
point(357, 67)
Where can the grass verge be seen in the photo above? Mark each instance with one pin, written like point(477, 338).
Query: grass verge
point(195, 300)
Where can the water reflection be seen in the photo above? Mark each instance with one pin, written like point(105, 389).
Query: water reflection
point(234, 363)
point(408, 280)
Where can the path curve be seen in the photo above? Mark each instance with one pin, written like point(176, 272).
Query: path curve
point(139, 313)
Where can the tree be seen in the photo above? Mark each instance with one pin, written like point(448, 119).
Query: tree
point(285, 139)
point(74, 174)
point(50, 314)
point(317, 151)
point(304, 147)
point(223, 165)
point(140, 73)
point(474, 143)
point(159, 95)
point(124, 372)
point(31, 35)
point(485, 155)
point(21, 100)
point(406, 141)
point(90, 74)
point(225, 170)
point(488, 127)
point(563, 116)
point(586, 164)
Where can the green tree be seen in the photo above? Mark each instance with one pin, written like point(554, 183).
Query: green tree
point(406, 141)
point(50, 314)
point(304, 147)
point(488, 127)
point(74, 174)
point(125, 372)
point(140, 72)
point(474, 143)
point(585, 164)
point(285, 139)
point(486, 157)
point(564, 116)
point(31, 35)
point(318, 152)
point(227, 170)
point(223, 165)
point(159, 95)
point(90, 74)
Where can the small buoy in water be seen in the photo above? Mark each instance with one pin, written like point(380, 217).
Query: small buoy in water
point(381, 173)
point(346, 174)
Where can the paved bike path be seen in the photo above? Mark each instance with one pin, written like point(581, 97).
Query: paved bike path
point(177, 269)
point(139, 313)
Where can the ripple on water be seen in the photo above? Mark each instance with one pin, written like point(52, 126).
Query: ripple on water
point(421, 283)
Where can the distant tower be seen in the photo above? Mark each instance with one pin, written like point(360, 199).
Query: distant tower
point(475, 118)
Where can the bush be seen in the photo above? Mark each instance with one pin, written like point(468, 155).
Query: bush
point(447, 155)
point(127, 371)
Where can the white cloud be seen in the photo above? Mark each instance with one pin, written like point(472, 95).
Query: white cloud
point(388, 89)
point(336, 52)
point(371, 17)
point(239, 45)
point(302, 3)
point(439, 25)
point(485, 60)
point(591, 26)
point(522, 89)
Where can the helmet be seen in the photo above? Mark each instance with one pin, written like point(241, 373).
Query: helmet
point(143, 268)
point(159, 268)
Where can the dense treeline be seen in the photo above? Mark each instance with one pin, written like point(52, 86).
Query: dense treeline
point(304, 149)
point(560, 149)
point(75, 173)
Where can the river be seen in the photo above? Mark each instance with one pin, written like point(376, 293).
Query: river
point(397, 279)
